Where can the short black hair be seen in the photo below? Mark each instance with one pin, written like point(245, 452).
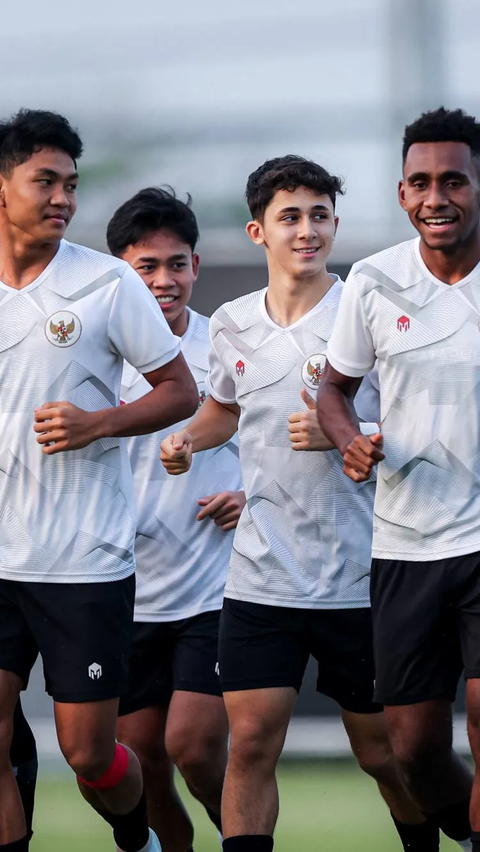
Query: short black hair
point(29, 131)
point(443, 125)
point(152, 209)
point(289, 173)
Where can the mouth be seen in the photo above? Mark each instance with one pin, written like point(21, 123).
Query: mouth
point(166, 301)
point(439, 223)
point(58, 218)
point(310, 250)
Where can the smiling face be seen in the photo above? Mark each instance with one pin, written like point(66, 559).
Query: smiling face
point(169, 268)
point(38, 198)
point(440, 191)
point(297, 231)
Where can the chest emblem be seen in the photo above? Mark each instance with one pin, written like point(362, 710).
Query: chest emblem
point(403, 323)
point(240, 368)
point(312, 370)
point(63, 329)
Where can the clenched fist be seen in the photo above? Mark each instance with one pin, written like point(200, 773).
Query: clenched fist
point(176, 453)
point(361, 455)
point(224, 509)
point(63, 426)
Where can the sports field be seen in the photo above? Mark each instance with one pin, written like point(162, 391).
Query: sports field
point(327, 806)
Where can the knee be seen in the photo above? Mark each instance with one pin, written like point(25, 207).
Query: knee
point(376, 759)
point(416, 758)
point(196, 756)
point(253, 742)
point(87, 760)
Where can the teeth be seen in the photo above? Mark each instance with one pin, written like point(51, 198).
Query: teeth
point(307, 251)
point(438, 221)
point(165, 300)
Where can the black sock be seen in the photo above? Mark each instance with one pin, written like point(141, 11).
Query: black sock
point(249, 843)
point(16, 846)
point(216, 819)
point(476, 841)
point(23, 757)
point(454, 820)
point(129, 830)
point(420, 837)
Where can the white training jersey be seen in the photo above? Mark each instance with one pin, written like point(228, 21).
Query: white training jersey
point(304, 537)
point(69, 517)
point(181, 562)
point(425, 337)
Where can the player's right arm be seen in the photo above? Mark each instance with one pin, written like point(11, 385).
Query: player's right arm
point(350, 355)
point(213, 425)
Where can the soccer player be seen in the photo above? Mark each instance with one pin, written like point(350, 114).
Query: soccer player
point(414, 309)
point(68, 318)
point(173, 710)
point(298, 582)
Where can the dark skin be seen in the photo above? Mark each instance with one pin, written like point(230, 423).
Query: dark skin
point(440, 191)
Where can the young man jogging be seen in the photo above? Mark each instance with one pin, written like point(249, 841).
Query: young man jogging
point(414, 309)
point(68, 318)
point(299, 574)
point(173, 712)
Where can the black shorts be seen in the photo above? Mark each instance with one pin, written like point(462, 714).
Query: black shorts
point(83, 632)
point(269, 646)
point(169, 656)
point(426, 622)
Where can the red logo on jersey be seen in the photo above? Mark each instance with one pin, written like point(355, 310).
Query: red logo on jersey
point(403, 323)
point(240, 368)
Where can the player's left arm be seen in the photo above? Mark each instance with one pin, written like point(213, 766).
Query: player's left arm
point(224, 508)
point(304, 429)
point(62, 426)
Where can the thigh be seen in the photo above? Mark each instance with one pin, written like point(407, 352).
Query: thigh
point(18, 650)
point(195, 657)
point(84, 634)
point(150, 677)
point(342, 643)
point(416, 641)
point(197, 722)
point(144, 732)
point(260, 647)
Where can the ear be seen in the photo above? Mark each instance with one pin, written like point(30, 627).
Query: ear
point(401, 194)
point(2, 191)
point(336, 221)
point(195, 264)
point(255, 231)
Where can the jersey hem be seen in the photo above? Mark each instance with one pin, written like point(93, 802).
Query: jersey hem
point(66, 579)
point(302, 604)
point(140, 616)
point(425, 557)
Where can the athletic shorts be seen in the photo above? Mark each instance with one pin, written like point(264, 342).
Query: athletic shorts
point(169, 656)
point(263, 646)
point(426, 622)
point(83, 632)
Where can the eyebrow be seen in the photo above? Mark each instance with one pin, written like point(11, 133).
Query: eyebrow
point(53, 174)
point(181, 256)
point(297, 209)
point(451, 173)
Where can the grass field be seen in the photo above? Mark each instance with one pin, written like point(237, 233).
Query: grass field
point(323, 806)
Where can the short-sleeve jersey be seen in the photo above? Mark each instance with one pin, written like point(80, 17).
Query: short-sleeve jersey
point(425, 337)
point(304, 537)
point(69, 517)
point(181, 562)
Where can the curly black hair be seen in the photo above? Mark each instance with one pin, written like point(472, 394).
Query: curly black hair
point(29, 131)
point(151, 209)
point(289, 173)
point(443, 125)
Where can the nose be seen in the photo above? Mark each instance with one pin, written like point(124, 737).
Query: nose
point(163, 279)
point(305, 228)
point(435, 197)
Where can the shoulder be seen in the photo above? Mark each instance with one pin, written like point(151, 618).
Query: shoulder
point(82, 270)
point(196, 342)
point(392, 268)
point(238, 315)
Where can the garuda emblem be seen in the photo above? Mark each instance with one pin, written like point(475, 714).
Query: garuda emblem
point(312, 370)
point(63, 329)
point(62, 332)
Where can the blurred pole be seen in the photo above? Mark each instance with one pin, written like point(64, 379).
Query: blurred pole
point(416, 55)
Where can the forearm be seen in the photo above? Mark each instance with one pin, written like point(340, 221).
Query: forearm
point(163, 406)
point(213, 425)
point(337, 416)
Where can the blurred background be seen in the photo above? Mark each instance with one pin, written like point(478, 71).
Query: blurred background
point(197, 95)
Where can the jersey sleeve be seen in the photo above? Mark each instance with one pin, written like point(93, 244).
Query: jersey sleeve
point(350, 349)
point(137, 329)
point(220, 384)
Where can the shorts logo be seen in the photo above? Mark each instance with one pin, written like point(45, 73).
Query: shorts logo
point(63, 329)
point(312, 370)
point(95, 671)
point(403, 323)
point(217, 669)
point(240, 368)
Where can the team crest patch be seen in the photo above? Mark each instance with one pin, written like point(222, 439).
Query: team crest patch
point(312, 370)
point(63, 329)
point(202, 394)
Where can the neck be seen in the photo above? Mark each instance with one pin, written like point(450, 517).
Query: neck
point(451, 267)
point(288, 299)
point(180, 324)
point(22, 261)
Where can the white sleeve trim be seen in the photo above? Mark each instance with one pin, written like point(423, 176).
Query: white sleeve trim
point(216, 396)
point(347, 369)
point(160, 362)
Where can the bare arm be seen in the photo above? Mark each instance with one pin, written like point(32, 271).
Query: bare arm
point(339, 422)
point(62, 426)
point(213, 424)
